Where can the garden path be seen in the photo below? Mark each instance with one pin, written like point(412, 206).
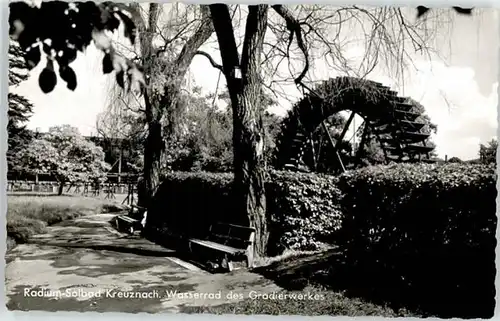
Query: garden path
point(86, 265)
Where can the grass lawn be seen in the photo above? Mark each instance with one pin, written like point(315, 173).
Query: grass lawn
point(295, 272)
point(331, 303)
point(29, 214)
point(296, 302)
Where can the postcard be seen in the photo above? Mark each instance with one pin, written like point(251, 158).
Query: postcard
point(252, 159)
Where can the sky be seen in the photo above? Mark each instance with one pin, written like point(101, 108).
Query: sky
point(458, 90)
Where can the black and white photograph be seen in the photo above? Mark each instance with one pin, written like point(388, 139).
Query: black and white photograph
point(264, 159)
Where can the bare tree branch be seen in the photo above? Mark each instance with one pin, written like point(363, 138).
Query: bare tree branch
point(294, 27)
point(212, 61)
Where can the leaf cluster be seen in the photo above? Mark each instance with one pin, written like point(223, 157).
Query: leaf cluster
point(59, 30)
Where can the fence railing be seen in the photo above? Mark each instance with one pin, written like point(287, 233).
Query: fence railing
point(108, 190)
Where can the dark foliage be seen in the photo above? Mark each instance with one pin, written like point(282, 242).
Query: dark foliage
point(303, 209)
point(455, 160)
point(488, 152)
point(20, 108)
point(61, 29)
point(423, 235)
point(19, 112)
point(422, 11)
point(189, 202)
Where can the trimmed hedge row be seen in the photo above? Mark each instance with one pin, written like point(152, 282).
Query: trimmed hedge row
point(425, 233)
point(303, 209)
point(187, 203)
point(419, 235)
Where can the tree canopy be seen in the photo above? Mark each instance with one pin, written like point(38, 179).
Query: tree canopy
point(20, 109)
point(64, 154)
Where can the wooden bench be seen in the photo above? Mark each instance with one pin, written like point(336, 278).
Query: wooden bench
point(127, 223)
point(229, 244)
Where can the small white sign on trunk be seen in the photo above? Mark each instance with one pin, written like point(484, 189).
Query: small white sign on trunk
point(144, 217)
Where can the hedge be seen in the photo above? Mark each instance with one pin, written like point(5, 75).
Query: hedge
point(303, 209)
point(425, 233)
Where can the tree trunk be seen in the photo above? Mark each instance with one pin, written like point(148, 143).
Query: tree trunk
point(156, 106)
point(154, 148)
point(248, 130)
point(60, 189)
point(153, 152)
point(249, 170)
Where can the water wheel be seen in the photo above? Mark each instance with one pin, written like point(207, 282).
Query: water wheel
point(392, 119)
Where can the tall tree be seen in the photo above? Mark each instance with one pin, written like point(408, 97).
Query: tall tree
point(270, 121)
point(123, 125)
point(79, 24)
point(165, 52)
point(243, 82)
point(20, 108)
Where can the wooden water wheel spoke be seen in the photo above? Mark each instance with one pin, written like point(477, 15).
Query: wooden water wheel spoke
point(360, 150)
point(313, 151)
point(344, 131)
point(339, 159)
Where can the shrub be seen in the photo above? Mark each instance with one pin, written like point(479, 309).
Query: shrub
point(426, 229)
point(303, 209)
point(187, 203)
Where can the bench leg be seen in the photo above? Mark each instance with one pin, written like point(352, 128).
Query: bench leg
point(227, 264)
point(250, 257)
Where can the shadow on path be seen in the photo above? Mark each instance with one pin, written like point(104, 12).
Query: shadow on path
point(87, 254)
point(114, 248)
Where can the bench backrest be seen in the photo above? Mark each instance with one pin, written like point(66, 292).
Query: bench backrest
point(232, 235)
